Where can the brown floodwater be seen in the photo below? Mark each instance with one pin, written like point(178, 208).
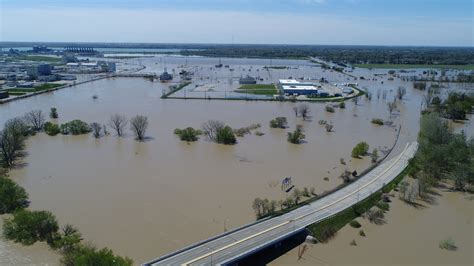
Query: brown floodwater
point(146, 199)
point(410, 236)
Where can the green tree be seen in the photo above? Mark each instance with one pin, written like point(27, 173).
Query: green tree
point(12, 141)
point(27, 227)
point(53, 114)
point(226, 136)
point(75, 127)
point(361, 149)
point(297, 136)
point(51, 129)
point(12, 196)
point(278, 122)
point(374, 155)
point(90, 255)
point(188, 134)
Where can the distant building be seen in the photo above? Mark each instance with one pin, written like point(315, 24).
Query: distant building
point(4, 94)
point(247, 80)
point(44, 69)
point(41, 49)
point(165, 76)
point(111, 66)
point(294, 87)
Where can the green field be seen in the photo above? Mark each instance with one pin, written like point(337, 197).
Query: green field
point(260, 89)
point(407, 66)
point(40, 58)
point(43, 87)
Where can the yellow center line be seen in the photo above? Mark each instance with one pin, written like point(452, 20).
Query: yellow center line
point(297, 218)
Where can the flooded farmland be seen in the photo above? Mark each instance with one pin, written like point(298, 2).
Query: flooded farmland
point(146, 199)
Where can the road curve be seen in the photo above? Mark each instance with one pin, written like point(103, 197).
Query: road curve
point(229, 247)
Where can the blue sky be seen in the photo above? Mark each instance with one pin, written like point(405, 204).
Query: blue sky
point(384, 22)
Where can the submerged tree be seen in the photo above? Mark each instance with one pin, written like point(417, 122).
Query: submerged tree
point(278, 122)
point(297, 136)
point(139, 125)
point(12, 141)
point(35, 119)
point(211, 127)
point(53, 114)
point(96, 129)
point(118, 122)
point(304, 111)
point(188, 134)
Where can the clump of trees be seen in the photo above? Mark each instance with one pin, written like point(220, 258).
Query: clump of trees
point(442, 154)
point(139, 125)
point(419, 85)
point(12, 196)
point(361, 149)
point(188, 134)
point(279, 122)
point(240, 132)
point(265, 207)
point(75, 127)
point(27, 227)
point(330, 109)
point(226, 136)
point(51, 128)
point(297, 136)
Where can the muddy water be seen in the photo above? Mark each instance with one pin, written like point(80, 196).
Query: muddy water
point(15, 254)
point(146, 199)
point(410, 237)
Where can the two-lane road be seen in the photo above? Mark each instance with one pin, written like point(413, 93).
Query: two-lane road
point(228, 247)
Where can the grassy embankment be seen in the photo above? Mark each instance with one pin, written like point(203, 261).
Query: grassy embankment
point(175, 89)
point(338, 221)
point(40, 58)
point(409, 66)
point(46, 86)
point(259, 89)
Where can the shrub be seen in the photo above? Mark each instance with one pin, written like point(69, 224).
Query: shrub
point(342, 105)
point(259, 133)
point(353, 242)
point(27, 227)
point(89, 255)
point(377, 121)
point(355, 224)
point(329, 109)
point(51, 129)
point(12, 196)
point(448, 244)
point(226, 136)
point(188, 134)
point(361, 149)
point(297, 136)
point(375, 216)
point(53, 114)
point(383, 206)
point(327, 232)
point(279, 122)
point(362, 233)
point(75, 127)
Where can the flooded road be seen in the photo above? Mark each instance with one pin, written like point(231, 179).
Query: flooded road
point(146, 199)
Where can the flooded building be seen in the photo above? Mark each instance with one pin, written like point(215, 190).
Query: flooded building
point(247, 80)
